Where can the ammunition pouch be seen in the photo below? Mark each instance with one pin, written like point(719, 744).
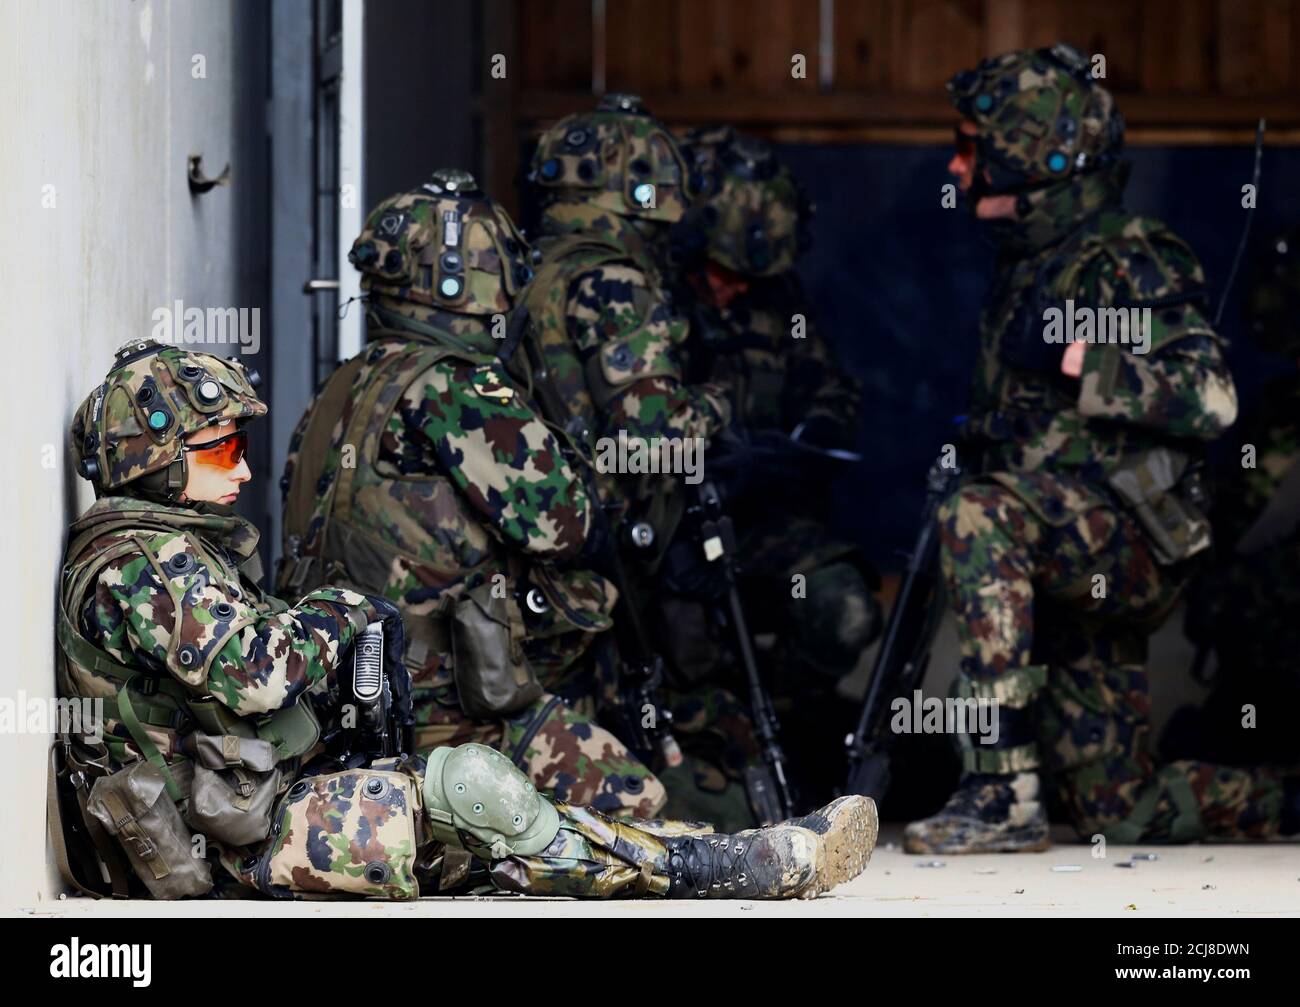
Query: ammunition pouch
point(1163, 491)
point(85, 854)
point(348, 833)
point(235, 783)
point(493, 677)
point(134, 806)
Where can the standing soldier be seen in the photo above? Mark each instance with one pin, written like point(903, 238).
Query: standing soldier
point(611, 183)
point(224, 710)
point(423, 474)
point(754, 331)
point(1075, 538)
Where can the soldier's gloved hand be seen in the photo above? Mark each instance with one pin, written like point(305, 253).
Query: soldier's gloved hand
point(394, 633)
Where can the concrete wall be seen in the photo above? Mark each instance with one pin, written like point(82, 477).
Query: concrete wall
point(99, 109)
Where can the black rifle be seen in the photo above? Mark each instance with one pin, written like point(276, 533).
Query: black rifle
point(712, 538)
point(638, 716)
point(373, 717)
point(905, 649)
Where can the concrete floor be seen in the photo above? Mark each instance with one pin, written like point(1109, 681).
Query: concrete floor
point(1210, 880)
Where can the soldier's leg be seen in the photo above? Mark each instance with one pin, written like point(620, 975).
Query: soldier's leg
point(1095, 725)
point(990, 540)
point(476, 799)
point(571, 757)
point(833, 620)
point(1005, 564)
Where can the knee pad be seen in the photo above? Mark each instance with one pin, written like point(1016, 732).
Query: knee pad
point(837, 619)
point(478, 800)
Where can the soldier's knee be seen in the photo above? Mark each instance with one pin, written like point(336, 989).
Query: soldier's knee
point(980, 506)
point(837, 619)
point(478, 799)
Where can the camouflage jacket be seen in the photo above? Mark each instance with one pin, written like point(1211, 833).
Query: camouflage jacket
point(1036, 425)
point(436, 476)
point(610, 335)
point(776, 379)
point(172, 592)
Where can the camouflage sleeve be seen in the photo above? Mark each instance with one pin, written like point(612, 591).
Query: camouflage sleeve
point(502, 457)
point(818, 386)
point(1171, 375)
point(162, 608)
point(630, 338)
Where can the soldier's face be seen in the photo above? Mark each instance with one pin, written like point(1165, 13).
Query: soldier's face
point(963, 167)
point(215, 473)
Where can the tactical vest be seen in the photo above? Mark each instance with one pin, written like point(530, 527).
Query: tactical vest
point(564, 379)
point(155, 709)
point(350, 520)
point(546, 299)
point(1033, 428)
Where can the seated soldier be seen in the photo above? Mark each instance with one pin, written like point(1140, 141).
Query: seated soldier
point(231, 735)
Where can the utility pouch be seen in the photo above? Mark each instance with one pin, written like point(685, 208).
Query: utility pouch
point(235, 783)
point(348, 833)
point(1163, 493)
point(493, 677)
point(293, 730)
point(133, 805)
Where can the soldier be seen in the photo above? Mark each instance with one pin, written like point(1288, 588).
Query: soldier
point(1073, 541)
point(422, 473)
point(611, 183)
point(754, 331)
point(212, 692)
point(1245, 607)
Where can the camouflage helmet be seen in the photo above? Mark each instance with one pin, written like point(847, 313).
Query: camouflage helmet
point(444, 246)
point(753, 214)
point(1040, 117)
point(131, 429)
point(1272, 301)
point(618, 158)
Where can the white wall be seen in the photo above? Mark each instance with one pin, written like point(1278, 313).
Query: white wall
point(97, 101)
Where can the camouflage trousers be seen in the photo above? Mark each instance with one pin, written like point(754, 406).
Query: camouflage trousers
point(596, 857)
point(1071, 603)
point(556, 741)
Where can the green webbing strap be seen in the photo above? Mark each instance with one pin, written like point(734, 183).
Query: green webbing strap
point(397, 324)
point(148, 749)
point(1186, 825)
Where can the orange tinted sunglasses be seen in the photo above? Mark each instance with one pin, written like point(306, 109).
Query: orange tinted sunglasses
point(223, 453)
point(965, 142)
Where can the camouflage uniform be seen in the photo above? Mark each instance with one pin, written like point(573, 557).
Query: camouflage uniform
point(207, 682)
point(1246, 606)
point(1072, 543)
point(754, 331)
point(460, 492)
point(612, 181)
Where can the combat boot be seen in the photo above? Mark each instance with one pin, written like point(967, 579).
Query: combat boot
point(988, 813)
point(801, 858)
